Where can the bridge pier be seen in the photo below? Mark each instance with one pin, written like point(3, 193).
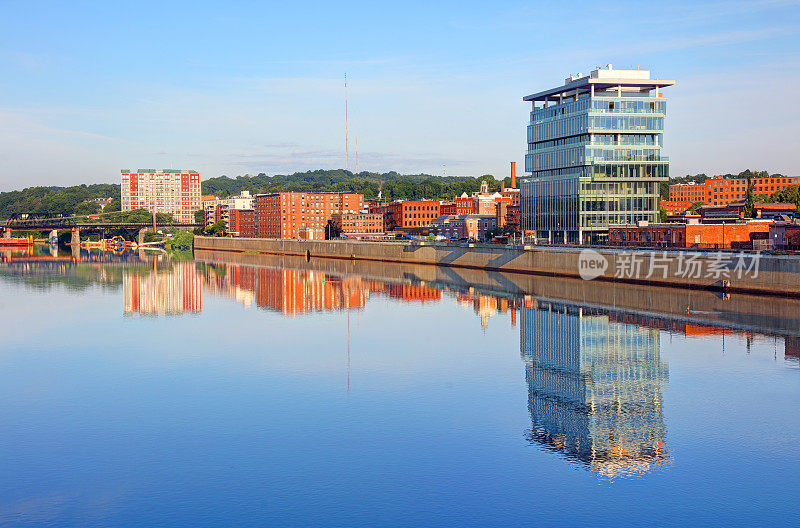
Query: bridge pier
point(76, 238)
point(53, 238)
point(140, 239)
point(7, 233)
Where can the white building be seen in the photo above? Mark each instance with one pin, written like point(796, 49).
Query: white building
point(219, 209)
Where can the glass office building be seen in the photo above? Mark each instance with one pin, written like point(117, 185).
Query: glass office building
point(594, 156)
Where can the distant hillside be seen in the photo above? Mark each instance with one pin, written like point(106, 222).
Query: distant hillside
point(393, 185)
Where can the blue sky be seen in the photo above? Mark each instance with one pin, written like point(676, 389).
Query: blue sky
point(246, 87)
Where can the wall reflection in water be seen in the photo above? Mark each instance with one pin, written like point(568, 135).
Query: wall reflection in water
point(295, 292)
point(594, 388)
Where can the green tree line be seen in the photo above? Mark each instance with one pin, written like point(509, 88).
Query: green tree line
point(391, 185)
point(50, 201)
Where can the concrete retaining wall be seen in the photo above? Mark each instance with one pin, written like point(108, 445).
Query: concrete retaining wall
point(770, 274)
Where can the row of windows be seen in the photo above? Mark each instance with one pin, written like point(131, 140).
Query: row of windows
point(563, 109)
point(597, 154)
point(568, 126)
point(625, 123)
point(556, 158)
point(422, 207)
point(628, 106)
point(612, 104)
point(634, 170)
point(627, 139)
point(583, 139)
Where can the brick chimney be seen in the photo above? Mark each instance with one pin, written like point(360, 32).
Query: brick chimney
point(513, 174)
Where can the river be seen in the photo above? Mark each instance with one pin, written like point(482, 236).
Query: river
point(249, 390)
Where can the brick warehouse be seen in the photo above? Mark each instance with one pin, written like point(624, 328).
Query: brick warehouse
point(283, 215)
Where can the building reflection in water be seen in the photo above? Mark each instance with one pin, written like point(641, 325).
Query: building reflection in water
point(594, 388)
point(172, 290)
point(293, 292)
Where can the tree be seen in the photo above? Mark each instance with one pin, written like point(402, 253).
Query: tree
point(749, 203)
point(662, 213)
point(199, 216)
point(87, 208)
point(113, 205)
point(695, 206)
point(218, 229)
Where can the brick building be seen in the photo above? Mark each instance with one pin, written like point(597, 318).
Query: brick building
point(507, 216)
point(407, 213)
point(171, 191)
point(722, 191)
point(468, 227)
point(464, 205)
point(485, 202)
point(242, 223)
point(283, 215)
point(784, 235)
point(357, 224)
point(692, 235)
point(735, 211)
point(448, 208)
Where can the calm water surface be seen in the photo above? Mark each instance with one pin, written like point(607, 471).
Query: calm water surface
point(275, 392)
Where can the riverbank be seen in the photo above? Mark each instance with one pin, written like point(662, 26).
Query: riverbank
point(743, 272)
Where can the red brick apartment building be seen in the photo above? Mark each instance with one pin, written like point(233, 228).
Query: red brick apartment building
point(242, 223)
point(172, 191)
point(722, 191)
point(355, 224)
point(283, 215)
point(407, 213)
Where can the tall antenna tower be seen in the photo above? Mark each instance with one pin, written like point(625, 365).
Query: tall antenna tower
point(346, 146)
point(356, 154)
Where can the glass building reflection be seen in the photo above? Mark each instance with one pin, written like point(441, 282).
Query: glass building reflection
point(594, 388)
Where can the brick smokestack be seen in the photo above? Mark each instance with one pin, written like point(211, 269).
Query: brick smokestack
point(513, 174)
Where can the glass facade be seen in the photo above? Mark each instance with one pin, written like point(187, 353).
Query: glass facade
point(594, 159)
